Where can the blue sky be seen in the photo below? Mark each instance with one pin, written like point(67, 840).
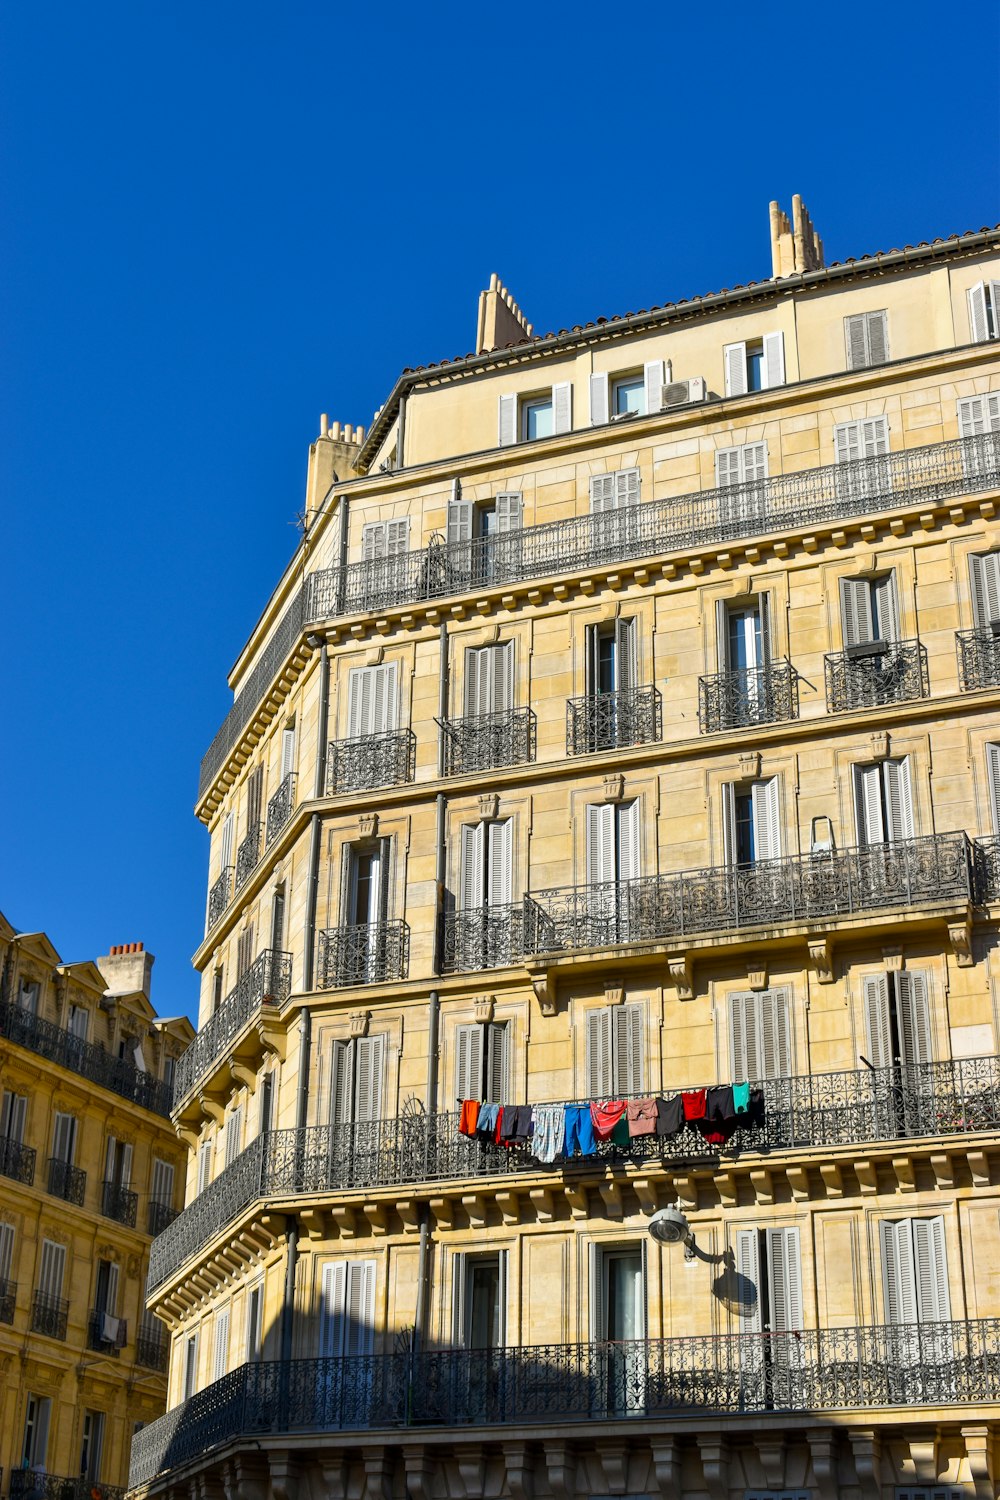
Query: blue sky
point(221, 220)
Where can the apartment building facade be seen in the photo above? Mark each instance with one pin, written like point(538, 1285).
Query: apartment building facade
point(626, 731)
point(90, 1170)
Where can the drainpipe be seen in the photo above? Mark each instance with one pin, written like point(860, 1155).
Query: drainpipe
point(423, 1267)
point(315, 825)
point(288, 1309)
point(400, 433)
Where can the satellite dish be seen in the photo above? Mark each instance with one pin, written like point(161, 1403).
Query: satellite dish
point(669, 1227)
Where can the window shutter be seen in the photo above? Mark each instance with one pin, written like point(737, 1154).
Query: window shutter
point(931, 1271)
point(847, 442)
point(163, 1182)
point(234, 1131)
point(856, 610)
point(742, 1034)
point(372, 541)
point(885, 607)
point(333, 1285)
point(652, 379)
point(126, 1176)
point(626, 487)
point(774, 360)
point(748, 1268)
point(459, 521)
point(341, 1071)
point(599, 1080)
point(729, 822)
point(766, 819)
point(499, 882)
point(602, 493)
point(874, 436)
point(64, 1138)
point(562, 407)
point(628, 1049)
point(625, 665)
point(52, 1269)
point(979, 326)
point(628, 841)
point(509, 510)
point(6, 1251)
point(508, 421)
point(204, 1165)
point(985, 576)
point(854, 334)
point(109, 1159)
point(369, 1067)
point(774, 1034)
point(111, 1300)
point(753, 457)
point(993, 774)
point(497, 1034)
point(913, 1015)
point(879, 1032)
point(502, 659)
point(600, 843)
point(784, 1279)
point(971, 416)
point(877, 335)
point(468, 1062)
point(397, 536)
point(599, 406)
point(727, 467)
point(475, 669)
point(898, 798)
point(359, 1335)
point(473, 882)
point(735, 359)
point(287, 752)
point(227, 842)
point(598, 1307)
point(898, 1279)
point(868, 787)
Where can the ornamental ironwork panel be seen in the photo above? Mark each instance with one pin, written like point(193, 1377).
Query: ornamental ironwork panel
point(8, 1300)
point(240, 1184)
point(749, 696)
point(152, 1348)
point(66, 1181)
point(25, 1483)
point(280, 808)
point(978, 659)
point(97, 1331)
point(987, 867)
point(85, 1058)
point(484, 742)
point(49, 1315)
point(119, 1203)
point(368, 953)
point(218, 896)
point(247, 855)
point(158, 1216)
point(875, 674)
point(797, 888)
point(612, 721)
point(486, 937)
point(17, 1161)
point(370, 761)
point(268, 981)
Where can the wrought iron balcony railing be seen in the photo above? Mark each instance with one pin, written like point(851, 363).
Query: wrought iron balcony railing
point(613, 721)
point(268, 981)
point(875, 674)
point(97, 1331)
point(8, 1301)
point(247, 856)
point(749, 696)
point(218, 896)
point(815, 1370)
point(66, 1181)
point(85, 1058)
point(923, 476)
point(484, 742)
point(152, 1347)
point(797, 888)
point(25, 1483)
point(280, 808)
point(978, 658)
point(158, 1216)
point(370, 761)
point(119, 1203)
point(49, 1315)
point(366, 954)
point(484, 937)
point(819, 1109)
point(17, 1161)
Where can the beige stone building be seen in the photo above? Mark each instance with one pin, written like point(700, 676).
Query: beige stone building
point(90, 1170)
point(626, 727)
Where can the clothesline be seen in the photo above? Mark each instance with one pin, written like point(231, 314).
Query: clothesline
point(555, 1130)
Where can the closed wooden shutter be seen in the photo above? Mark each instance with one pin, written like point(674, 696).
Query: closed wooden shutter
point(371, 694)
point(984, 573)
point(857, 349)
point(6, 1251)
point(753, 458)
point(497, 1037)
point(341, 1082)
point(625, 656)
point(735, 360)
point(979, 324)
point(877, 1021)
point(599, 410)
point(913, 1017)
point(760, 1034)
point(602, 493)
point(626, 487)
point(867, 340)
point(226, 857)
point(163, 1182)
point(372, 541)
point(507, 421)
point(898, 1280)
point(885, 608)
point(847, 442)
point(333, 1286)
point(652, 379)
point(234, 1136)
point(397, 536)
point(774, 360)
point(489, 679)
point(562, 407)
point(979, 414)
point(499, 862)
point(727, 467)
point(12, 1117)
point(64, 1138)
point(600, 843)
point(469, 1061)
point(52, 1269)
point(473, 876)
point(359, 1333)
point(874, 436)
point(459, 524)
point(369, 1068)
point(868, 792)
point(287, 751)
point(751, 1319)
point(877, 335)
point(204, 1165)
point(993, 776)
point(931, 1270)
point(244, 951)
point(766, 819)
point(600, 1078)
point(628, 1049)
point(628, 840)
point(255, 794)
point(509, 510)
point(784, 1279)
point(898, 799)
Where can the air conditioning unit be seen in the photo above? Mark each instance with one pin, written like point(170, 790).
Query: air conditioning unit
point(684, 392)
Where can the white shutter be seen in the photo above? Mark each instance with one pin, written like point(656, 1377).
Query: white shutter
point(600, 843)
point(497, 1035)
point(898, 1278)
point(600, 1084)
point(735, 359)
point(774, 360)
point(508, 421)
point(341, 1082)
point(913, 1017)
point(562, 407)
point(111, 1301)
point(373, 538)
point(784, 1279)
point(874, 435)
point(476, 686)
point(993, 774)
point(64, 1137)
point(985, 577)
point(473, 882)
point(628, 1049)
point(52, 1269)
point(979, 326)
point(727, 467)
point(628, 840)
point(856, 610)
point(774, 1038)
point(469, 1062)
point(741, 1035)
point(898, 799)
point(652, 379)
point(333, 1285)
point(626, 487)
point(397, 536)
point(847, 442)
point(163, 1182)
point(371, 700)
point(885, 607)
point(369, 1066)
point(766, 819)
point(877, 337)
point(857, 348)
point(234, 1136)
point(287, 751)
point(509, 510)
point(204, 1165)
point(753, 457)
point(599, 410)
point(748, 1268)
point(459, 525)
point(6, 1251)
point(931, 1271)
point(877, 1025)
point(502, 662)
point(359, 1332)
point(602, 493)
point(227, 842)
point(868, 788)
point(499, 872)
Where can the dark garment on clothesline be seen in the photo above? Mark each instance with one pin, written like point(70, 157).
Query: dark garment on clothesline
point(669, 1116)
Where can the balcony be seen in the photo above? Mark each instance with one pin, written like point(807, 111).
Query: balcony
point(247, 856)
point(815, 1110)
point(485, 742)
point(279, 809)
point(613, 721)
point(66, 1181)
point(875, 674)
point(119, 1203)
point(8, 1301)
point(986, 854)
point(98, 1330)
point(17, 1161)
point(85, 1058)
point(918, 476)
point(484, 937)
point(152, 1347)
point(800, 888)
point(49, 1315)
point(816, 1370)
point(158, 1216)
point(268, 981)
point(370, 953)
point(978, 658)
point(218, 896)
point(370, 761)
point(750, 696)
point(35, 1482)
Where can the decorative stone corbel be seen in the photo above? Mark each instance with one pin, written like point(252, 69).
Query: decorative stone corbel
point(489, 806)
point(408, 1213)
point(867, 1450)
point(211, 1108)
point(960, 938)
point(611, 1195)
point(541, 1201)
point(749, 765)
point(335, 1475)
point(377, 1215)
point(272, 1037)
point(680, 970)
point(284, 1474)
point(368, 825)
point(879, 742)
point(771, 1452)
point(614, 1462)
point(823, 1453)
point(242, 1075)
point(576, 1196)
point(646, 1191)
point(444, 1212)
point(509, 1204)
point(614, 787)
point(834, 1184)
point(561, 1469)
point(378, 1473)
point(520, 1467)
point(359, 1020)
point(797, 1177)
point(475, 1206)
point(821, 958)
point(485, 1007)
point(715, 1466)
point(979, 1450)
point(343, 1217)
point(419, 1467)
point(541, 983)
point(471, 1462)
point(892, 957)
point(757, 976)
point(923, 1456)
point(614, 992)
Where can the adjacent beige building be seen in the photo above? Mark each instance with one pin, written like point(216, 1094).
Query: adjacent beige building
point(90, 1170)
point(626, 726)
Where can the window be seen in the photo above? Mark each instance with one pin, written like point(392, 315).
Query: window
point(867, 340)
point(637, 393)
point(853, 441)
point(106, 1301)
point(615, 1050)
point(78, 1022)
point(288, 750)
point(169, 1070)
point(612, 842)
point(162, 1190)
point(13, 1112)
point(6, 1256)
point(869, 610)
point(984, 311)
point(278, 918)
point(64, 1138)
point(220, 1343)
point(758, 365)
point(347, 1308)
point(217, 982)
point(744, 636)
point(479, 1301)
point(385, 538)
point(51, 1271)
point(628, 396)
point(468, 521)
point(768, 1263)
point(993, 777)
point(204, 1165)
point(118, 1163)
point(357, 1067)
point(266, 1109)
point(525, 418)
point(34, 1449)
point(255, 797)
point(481, 1061)
point(233, 1135)
point(938, 1492)
point(611, 663)
point(897, 1019)
point(978, 414)
point(489, 679)
point(366, 883)
point(760, 1043)
point(27, 996)
point(984, 574)
point(751, 821)
point(227, 840)
point(618, 1321)
point(371, 700)
point(914, 1270)
point(91, 1446)
point(487, 873)
point(614, 491)
point(255, 1323)
point(884, 802)
point(744, 464)
point(244, 951)
point(190, 1382)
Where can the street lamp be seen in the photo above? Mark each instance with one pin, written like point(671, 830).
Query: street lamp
point(668, 1226)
